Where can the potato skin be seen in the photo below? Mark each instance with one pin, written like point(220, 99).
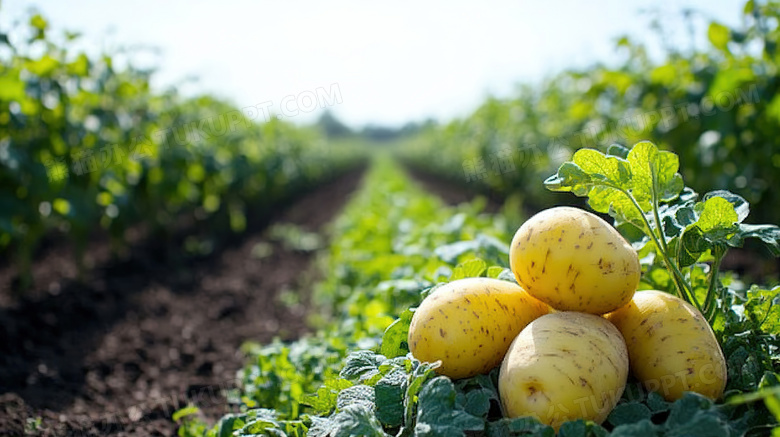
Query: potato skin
point(564, 366)
point(671, 346)
point(468, 324)
point(574, 261)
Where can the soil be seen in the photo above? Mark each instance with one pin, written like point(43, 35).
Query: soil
point(452, 193)
point(116, 354)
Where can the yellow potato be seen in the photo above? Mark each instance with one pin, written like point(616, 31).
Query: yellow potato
point(564, 366)
point(468, 324)
point(574, 261)
point(671, 346)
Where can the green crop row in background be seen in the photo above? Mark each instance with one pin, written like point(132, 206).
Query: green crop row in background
point(86, 144)
point(717, 108)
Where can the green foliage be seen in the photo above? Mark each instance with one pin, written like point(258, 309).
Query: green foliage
point(716, 107)
point(370, 385)
point(84, 145)
point(645, 190)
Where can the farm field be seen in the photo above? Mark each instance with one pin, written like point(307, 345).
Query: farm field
point(174, 264)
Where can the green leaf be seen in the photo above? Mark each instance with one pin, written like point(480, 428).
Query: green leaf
point(495, 271)
point(229, 423)
point(44, 66)
point(353, 420)
point(654, 171)
point(437, 414)
point(656, 402)
point(644, 428)
point(618, 150)
point(581, 428)
point(11, 88)
point(396, 336)
point(389, 392)
point(359, 363)
point(719, 36)
point(762, 309)
point(630, 412)
point(473, 268)
point(477, 402)
point(686, 408)
point(768, 234)
point(324, 400)
point(356, 395)
point(449, 253)
point(716, 213)
point(521, 426)
point(184, 412)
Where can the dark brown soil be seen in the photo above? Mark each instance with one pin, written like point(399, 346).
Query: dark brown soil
point(118, 353)
point(452, 193)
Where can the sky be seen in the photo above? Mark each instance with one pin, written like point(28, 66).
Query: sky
point(369, 63)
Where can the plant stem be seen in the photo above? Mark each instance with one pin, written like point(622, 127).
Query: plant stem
point(709, 300)
point(679, 280)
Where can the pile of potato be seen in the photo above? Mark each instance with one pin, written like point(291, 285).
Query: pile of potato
point(567, 335)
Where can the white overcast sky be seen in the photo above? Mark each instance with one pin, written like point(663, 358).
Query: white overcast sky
point(395, 62)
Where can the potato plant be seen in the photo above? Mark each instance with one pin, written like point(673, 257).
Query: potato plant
point(356, 376)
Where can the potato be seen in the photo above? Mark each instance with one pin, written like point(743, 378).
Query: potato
point(468, 324)
point(671, 347)
point(574, 261)
point(564, 366)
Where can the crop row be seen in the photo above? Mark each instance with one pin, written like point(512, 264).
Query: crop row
point(716, 108)
point(390, 248)
point(85, 144)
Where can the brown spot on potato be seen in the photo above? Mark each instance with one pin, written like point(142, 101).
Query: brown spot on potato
point(441, 332)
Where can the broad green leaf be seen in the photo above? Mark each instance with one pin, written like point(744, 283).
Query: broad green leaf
point(716, 213)
point(473, 268)
point(395, 339)
point(654, 171)
point(616, 203)
point(768, 234)
point(184, 412)
point(521, 426)
point(656, 402)
point(361, 362)
point(763, 309)
point(324, 400)
point(477, 402)
point(570, 177)
point(494, 271)
point(43, 66)
point(449, 253)
point(741, 206)
point(630, 412)
point(38, 22)
point(354, 420)
point(604, 169)
point(356, 395)
point(389, 392)
point(618, 150)
point(437, 414)
point(642, 428)
point(581, 428)
point(719, 36)
point(11, 88)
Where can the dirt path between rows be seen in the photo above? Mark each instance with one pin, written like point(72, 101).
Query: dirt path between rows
point(117, 354)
